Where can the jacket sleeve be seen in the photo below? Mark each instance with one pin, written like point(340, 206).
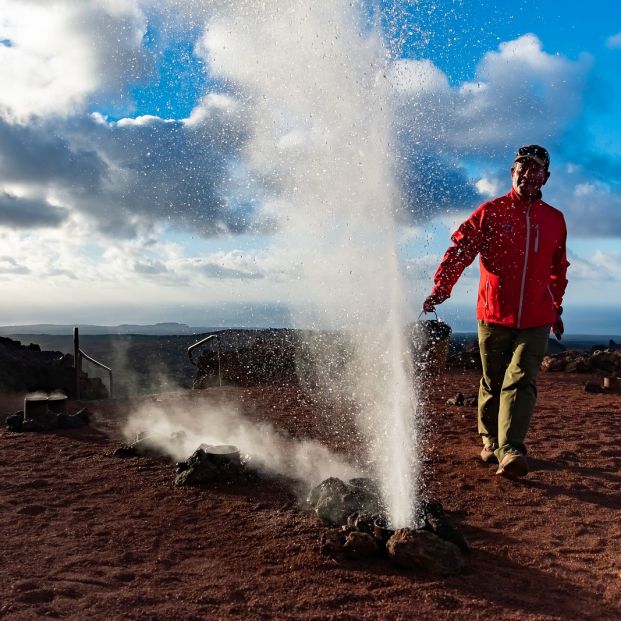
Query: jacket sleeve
point(467, 240)
point(558, 275)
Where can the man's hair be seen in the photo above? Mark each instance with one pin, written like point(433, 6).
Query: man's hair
point(533, 152)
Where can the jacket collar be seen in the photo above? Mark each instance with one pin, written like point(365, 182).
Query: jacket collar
point(520, 202)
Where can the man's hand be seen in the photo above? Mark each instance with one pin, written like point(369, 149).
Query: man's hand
point(429, 305)
point(558, 328)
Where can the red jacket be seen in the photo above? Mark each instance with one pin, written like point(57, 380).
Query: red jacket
point(523, 261)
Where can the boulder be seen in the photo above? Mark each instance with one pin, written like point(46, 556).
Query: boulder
point(421, 549)
point(332, 541)
point(334, 500)
point(360, 545)
point(203, 468)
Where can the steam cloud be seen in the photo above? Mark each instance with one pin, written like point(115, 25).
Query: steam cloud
point(307, 461)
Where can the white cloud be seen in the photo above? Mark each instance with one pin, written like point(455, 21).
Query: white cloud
point(21, 212)
point(418, 77)
point(488, 187)
point(609, 263)
point(8, 265)
point(59, 53)
point(614, 41)
point(520, 94)
point(592, 208)
point(127, 175)
point(586, 269)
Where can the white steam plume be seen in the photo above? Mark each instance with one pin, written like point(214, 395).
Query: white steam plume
point(314, 79)
point(270, 450)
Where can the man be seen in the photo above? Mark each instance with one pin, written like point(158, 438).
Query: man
point(521, 242)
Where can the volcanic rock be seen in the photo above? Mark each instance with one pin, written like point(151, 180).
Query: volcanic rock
point(420, 549)
point(580, 365)
point(458, 399)
point(607, 361)
point(362, 522)
point(14, 421)
point(203, 468)
point(471, 402)
point(360, 545)
point(592, 387)
point(334, 500)
point(434, 520)
point(332, 541)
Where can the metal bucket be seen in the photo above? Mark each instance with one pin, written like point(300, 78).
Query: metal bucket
point(35, 407)
point(222, 453)
point(57, 404)
point(430, 345)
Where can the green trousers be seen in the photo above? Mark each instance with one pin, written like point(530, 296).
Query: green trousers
point(511, 359)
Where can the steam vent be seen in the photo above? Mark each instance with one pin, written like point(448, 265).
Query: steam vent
point(432, 545)
point(45, 413)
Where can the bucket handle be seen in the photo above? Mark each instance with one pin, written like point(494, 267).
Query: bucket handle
point(434, 312)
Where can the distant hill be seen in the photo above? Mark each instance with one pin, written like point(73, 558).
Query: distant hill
point(167, 328)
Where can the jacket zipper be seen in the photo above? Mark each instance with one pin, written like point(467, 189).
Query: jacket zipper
point(550, 292)
point(536, 237)
point(519, 317)
point(487, 294)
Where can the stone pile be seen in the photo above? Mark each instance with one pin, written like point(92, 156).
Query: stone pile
point(602, 361)
point(432, 545)
point(334, 500)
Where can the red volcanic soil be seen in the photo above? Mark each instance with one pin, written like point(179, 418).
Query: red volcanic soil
point(85, 535)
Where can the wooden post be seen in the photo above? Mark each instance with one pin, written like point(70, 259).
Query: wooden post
point(77, 362)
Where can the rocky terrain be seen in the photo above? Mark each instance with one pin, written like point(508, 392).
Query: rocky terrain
point(86, 534)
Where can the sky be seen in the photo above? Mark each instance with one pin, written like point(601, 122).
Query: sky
point(152, 154)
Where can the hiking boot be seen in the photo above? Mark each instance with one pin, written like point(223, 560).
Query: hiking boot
point(487, 454)
point(513, 465)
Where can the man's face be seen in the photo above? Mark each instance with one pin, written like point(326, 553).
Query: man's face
point(528, 178)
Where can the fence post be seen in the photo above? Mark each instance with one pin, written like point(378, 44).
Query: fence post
point(77, 362)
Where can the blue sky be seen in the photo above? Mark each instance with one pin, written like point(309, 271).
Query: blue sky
point(150, 153)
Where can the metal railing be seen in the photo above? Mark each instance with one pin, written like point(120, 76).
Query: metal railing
point(78, 356)
point(191, 348)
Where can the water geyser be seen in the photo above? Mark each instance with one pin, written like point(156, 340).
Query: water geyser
point(313, 81)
